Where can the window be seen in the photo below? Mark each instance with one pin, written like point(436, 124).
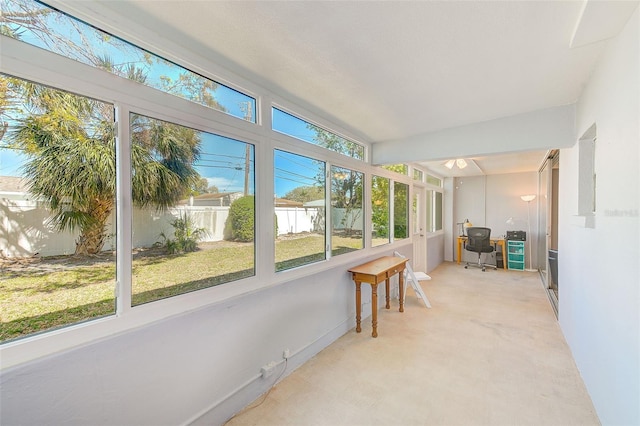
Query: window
point(34, 23)
point(400, 211)
point(379, 211)
point(194, 221)
point(347, 223)
point(432, 180)
point(295, 127)
point(299, 210)
point(57, 205)
point(418, 175)
point(434, 211)
point(403, 169)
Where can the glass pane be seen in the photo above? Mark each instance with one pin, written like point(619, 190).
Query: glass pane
point(403, 169)
point(346, 210)
point(432, 180)
point(299, 210)
point(431, 227)
point(307, 132)
point(418, 175)
point(193, 221)
point(400, 210)
point(416, 212)
point(57, 208)
point(34, 23)
point(379, 211)
point(438, 212)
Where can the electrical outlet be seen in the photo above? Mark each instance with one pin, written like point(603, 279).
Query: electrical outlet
point(267, 370)
point(286, 353)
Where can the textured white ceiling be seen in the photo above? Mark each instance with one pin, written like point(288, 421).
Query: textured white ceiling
point(385, 70)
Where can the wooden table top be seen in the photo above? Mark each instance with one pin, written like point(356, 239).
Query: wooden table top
point(379, 265)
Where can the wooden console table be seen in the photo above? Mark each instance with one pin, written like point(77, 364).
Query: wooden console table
point(374, 272)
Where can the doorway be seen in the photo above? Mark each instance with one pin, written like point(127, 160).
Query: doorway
point(549, 175)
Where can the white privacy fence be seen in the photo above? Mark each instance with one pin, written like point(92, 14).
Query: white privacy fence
point(25, 229)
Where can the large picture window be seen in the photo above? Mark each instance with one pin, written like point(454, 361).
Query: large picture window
point(300, 129)
point(400, 211)
point(347, 222)
point(57, 208)
point(380, 211)
point(42, 26)
point(193, 224)
point(299, 210)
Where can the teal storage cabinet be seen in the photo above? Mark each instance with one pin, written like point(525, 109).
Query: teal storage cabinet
point(515, 255)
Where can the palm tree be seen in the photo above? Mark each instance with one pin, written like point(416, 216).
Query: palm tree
point(69, 141)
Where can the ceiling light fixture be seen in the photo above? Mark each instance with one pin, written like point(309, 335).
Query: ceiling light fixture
point(460, 162)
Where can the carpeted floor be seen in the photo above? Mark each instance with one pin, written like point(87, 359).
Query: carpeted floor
point(489, 352)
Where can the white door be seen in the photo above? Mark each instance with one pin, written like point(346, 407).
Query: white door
point(419, 212)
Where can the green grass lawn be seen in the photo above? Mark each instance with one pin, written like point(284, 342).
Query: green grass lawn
point(45, 296)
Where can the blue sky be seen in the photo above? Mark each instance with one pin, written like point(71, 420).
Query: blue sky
point(223, 160)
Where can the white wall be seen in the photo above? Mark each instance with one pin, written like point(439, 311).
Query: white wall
point(599, 268)
point(435, 251)
point(491, 200)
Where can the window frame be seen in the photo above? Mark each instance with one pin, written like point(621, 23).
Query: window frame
point(25, 61)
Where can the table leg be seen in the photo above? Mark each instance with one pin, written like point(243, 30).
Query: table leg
point(374, 310)
point(459, 249)
point(401, 285)
point(386, 288)
point(358, 307)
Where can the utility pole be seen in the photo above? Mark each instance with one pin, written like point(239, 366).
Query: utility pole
point(246, 108)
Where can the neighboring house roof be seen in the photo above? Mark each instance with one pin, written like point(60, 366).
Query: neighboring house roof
point(282, 202)
point(315, 203)
point(13, 184)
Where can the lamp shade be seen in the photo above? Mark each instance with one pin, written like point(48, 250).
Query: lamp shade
point(528, 198)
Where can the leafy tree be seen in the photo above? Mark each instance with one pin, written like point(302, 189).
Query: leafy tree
point(336, 143)
point(346, 193)
point(201, 186)
point(304, 194)
point(59, 33)
point(398, 168)
point(400, 210)
point(380, 207)
point(70, 147)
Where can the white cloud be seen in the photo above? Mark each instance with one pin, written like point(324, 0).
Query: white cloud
point(225, 185)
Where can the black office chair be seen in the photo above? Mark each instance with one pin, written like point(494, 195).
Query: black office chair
point(479, 242)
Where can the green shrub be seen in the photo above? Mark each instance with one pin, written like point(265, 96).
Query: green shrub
point(239, 225)
point(185, 233)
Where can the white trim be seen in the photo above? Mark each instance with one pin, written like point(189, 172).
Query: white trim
point(26, 61)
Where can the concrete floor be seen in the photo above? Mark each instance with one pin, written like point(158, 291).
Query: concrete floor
point(489, 352)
